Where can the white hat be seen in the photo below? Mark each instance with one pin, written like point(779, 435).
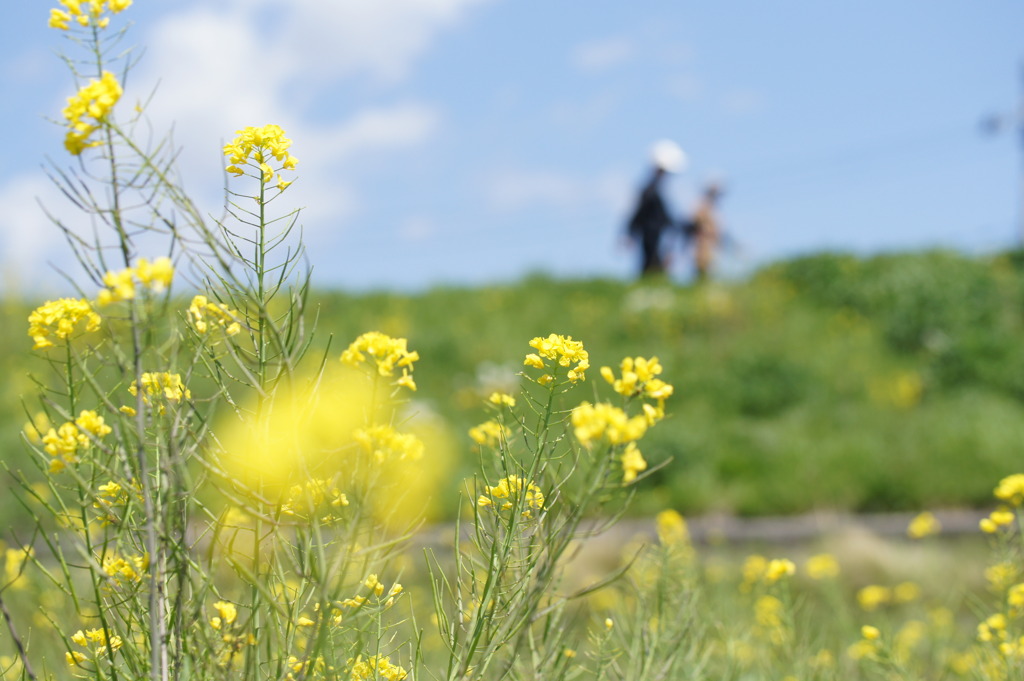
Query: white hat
point(668, 156)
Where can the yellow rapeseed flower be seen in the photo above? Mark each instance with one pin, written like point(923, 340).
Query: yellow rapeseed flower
point(387, 354)
point(60, 319)
point(489, 433)
point(633, 463)
point(163, 384)
point(508, 490)
point(822, 566)
point(873, 596)
point(923, 525)
point(671, 528)
point(91, 14)
point(256, 147)
point(779, 568)
point(1011, 489)
point(202, 314)
point(564, 351)
point(121, 284)
point(603, 421)
point(87, 110)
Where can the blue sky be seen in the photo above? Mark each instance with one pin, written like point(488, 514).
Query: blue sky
point(473, 141)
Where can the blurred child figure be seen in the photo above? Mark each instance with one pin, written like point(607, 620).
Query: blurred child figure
point(651, 219)
point(703, 232)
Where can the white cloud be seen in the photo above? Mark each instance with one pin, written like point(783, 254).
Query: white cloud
point(601, 55)
point(29, 235)
point(517, 190)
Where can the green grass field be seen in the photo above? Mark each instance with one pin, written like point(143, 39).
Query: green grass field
point(827, 382)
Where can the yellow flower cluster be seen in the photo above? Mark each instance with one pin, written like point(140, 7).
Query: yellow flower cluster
point(121, 570)
point(227, 613)
point(161, 384)
point(822, 566)
point(633, 463)
point(376, 667)
point(671, 527)
point(59, 319)
point(502, 400)
point(639, 377)
point(489, 433)
point(312, 496)
point(85, 13)
point(873, 596)
point(868, 646)
point(64, 443)
point(923, 525)
point(14, 566)
point(387, 353)
point(86, 111)
point(561, 349)
point(602, 421)
point(769, 614)
point(1011, 489)
point(203, 314)
point(257, 147)
point(509, 489)
point(384, 443)
point(121, 285)
point(84, 638)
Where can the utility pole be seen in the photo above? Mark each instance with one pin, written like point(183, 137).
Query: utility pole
point(994, 124)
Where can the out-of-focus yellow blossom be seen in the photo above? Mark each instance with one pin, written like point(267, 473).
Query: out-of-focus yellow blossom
point(125, 570)
point(908, 638)
point(672, 528)
point(489, 433)
point(87, 110)
point(384, 443)
point(387, 354)
point(34, 429)
point(608, 623)
point(304, 621)
point(502, 399)
point(509, 489)
point(993, 628)
point(376, 667)
point(59, 319)
point(923, 525)
point(121, 284)
point(227, 613)
point(100, 636)
point(64, 443)
point(906, 592)
point(603, 421)
point(823, 659)
point(639, 377)
point(1011, 489)
point(564, 351)
point(14, 566)
point(74, 658)
point(778, 568)
point(1001, 517)
point(873, 596)
point(202, 314)
point(163, 384)
point(317, 496)
point(868, 645)
point(753, 570)
point(1001, 575)
point(768, 615)
point(633, 463)
point(822, 566)
point(91, 15)
point(1015, 596)
point(256, 147)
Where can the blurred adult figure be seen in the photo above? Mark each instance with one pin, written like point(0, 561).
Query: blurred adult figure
point(651, 219)
point(703, 232)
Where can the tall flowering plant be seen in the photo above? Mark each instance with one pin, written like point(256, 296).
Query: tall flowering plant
point(217, 506)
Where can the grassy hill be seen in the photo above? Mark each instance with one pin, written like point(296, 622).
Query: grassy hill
point(826, 382)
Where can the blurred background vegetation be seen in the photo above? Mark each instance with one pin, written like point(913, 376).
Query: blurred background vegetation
point(829, 381)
